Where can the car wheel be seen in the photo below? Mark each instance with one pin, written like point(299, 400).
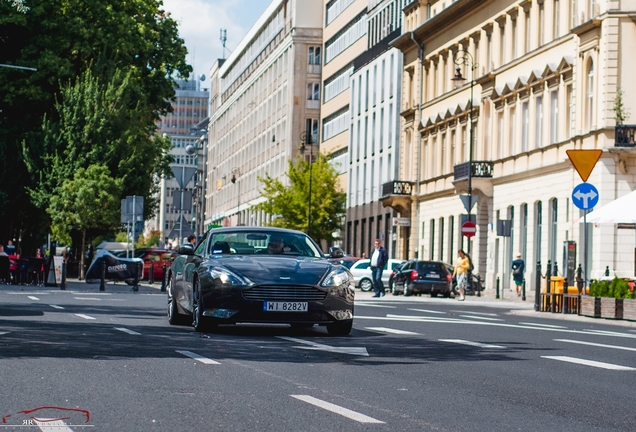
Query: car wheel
point(366, 285)
point(174, 317)
point(393, 290)
point(199, 322)
point(340, 328)
point(447, 294)
point(407, 290)
point(433, 294)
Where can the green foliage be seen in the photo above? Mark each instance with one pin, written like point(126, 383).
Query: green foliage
point(600, 288)
point(132, 49)
point(289, 204)
point(89, 201)
point(121, 237)
point(620, 112)
point(619, 288)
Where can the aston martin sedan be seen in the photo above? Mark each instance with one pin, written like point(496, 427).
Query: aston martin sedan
point(259, 275)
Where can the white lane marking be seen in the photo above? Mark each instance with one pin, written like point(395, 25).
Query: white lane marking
point(542, 325)
point(427, 311)
point(33, 297)
point(595, 344)
point(1, 333)
point(361, 351)
point(375, 305)
point(353, 415)
point(465, 342)
point(198, 357)
point(424, 318)
point(475, 313)
point(87, 298)
point(52, 426)
point(56, 307)
point(390, 330)
point(609, 333)
point(125, 330)
point(85, 316)
point(481, 318)
point(589, 363)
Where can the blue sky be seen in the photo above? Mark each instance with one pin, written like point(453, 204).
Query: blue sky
point(200, 22)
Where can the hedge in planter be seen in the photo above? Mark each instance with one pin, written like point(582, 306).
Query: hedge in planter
point(606, 300)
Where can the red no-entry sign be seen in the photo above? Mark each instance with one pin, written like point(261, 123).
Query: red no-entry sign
point(469, 229)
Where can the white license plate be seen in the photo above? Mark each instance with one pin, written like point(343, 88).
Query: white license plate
point(432, 276)
point(285, 306)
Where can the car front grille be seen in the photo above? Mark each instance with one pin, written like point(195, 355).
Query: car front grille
point(284, 293)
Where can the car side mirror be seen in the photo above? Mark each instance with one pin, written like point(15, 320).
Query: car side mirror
point(185, 250)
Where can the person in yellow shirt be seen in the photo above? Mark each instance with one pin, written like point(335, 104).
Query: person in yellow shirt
point(462, 265)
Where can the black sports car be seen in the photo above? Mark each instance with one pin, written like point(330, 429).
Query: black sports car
point(259, 275)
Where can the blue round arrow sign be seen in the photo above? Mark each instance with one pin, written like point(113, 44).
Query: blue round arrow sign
point(585, 196)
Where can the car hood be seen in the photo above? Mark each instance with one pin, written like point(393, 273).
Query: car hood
point(275, 270)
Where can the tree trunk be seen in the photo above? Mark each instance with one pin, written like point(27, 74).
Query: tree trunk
point(81, 269)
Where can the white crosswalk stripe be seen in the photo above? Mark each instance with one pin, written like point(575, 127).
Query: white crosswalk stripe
point(390, 330)
point(592, 363)
point(56, 307)
point(85, 316)
point(471, 343)
point(33, 297)
point(197, 357)
point(353, 415)
point(596, 344)
point(125, 330)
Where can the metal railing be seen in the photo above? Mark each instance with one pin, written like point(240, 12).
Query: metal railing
point(624, 136)
point(397, 187)
point(480, 169)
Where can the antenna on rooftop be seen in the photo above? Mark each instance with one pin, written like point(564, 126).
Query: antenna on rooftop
point(223, 39)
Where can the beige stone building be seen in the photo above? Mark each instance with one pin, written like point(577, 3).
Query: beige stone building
point(544, 76)
point(263, 96)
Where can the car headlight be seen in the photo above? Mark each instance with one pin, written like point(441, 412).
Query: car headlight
point(336, 278)
point(226, 277)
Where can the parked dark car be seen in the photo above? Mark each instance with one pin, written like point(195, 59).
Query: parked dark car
point(259, 275)
point(392, 277)
point(424, 277)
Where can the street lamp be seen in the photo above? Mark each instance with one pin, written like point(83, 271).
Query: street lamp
point(463, 57)
point(306, 138)
point(235, 175)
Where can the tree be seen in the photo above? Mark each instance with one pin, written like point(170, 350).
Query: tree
point(90, 201)
point(134, 40)
point(289, 204)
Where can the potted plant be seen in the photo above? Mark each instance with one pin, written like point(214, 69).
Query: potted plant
point(591, 304)
point(612, 302)
point(629, 304)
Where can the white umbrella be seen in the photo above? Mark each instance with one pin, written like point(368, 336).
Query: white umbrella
point(621, 210)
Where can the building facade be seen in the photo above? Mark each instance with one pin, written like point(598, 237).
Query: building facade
point(373, 150)
point(265, 95)
point(190, 108)
point(544, 77)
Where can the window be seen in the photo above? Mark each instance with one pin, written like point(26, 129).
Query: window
point(541, 24)
point(313, 91)
point(451, 243)
point(514, 39)
point(512, 130)
point(524, 126)
point(554, 116)
point(527, 18)
point(312, 128)
point(538, 121)
point(557, 17)
point(553, 230)
point(590, 95)
point(500, 134)
point(432, 239)
point(570, 121)
point(537, 231)
point(314, 55)
point(441, 239)
point(502, 44)
point(523, 235)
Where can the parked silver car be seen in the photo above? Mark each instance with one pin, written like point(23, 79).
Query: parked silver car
point(361, 271)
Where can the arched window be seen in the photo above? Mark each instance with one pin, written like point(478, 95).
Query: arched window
point(590, 95)
point(553, 229)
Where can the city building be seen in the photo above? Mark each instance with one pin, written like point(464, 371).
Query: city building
point(373, 115)
point(545, 76)
point(184, 128)
point(265, 100)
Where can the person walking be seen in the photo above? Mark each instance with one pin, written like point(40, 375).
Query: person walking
point(518, 269)
point(460, 272)
point(379, 259)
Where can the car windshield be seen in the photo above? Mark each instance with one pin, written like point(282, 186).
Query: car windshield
point(429, 266)
point(262, 241)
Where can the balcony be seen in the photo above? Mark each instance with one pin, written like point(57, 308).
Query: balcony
point(397, 195)
point(624, 136)
point(481, 169)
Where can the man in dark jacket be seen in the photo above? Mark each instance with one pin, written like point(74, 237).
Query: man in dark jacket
point(379, 258)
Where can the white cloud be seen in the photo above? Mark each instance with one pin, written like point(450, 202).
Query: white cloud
point(200, 22)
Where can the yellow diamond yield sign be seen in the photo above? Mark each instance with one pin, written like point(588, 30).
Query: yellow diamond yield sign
point(584, 161)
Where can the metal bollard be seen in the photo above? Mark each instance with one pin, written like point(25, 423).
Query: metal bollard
point(63, 281)
point(565, 305)
point(548, 283)
point(151, 274)
point(537, 280)
point(163, 278)
point(497, 291)
point(523, 290)
point(102, 279)
point(136, 283)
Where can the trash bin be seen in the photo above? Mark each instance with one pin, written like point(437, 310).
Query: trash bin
point(556, 284)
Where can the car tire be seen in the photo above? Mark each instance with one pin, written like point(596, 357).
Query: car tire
point(393, 290)
point(407, 290)
point(199, 322)
point(174, 317)
point(366, 285)
point(433, 294)
point(447, 294)
point(340, 328)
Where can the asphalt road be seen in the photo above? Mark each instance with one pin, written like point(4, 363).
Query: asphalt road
point(110, 361)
